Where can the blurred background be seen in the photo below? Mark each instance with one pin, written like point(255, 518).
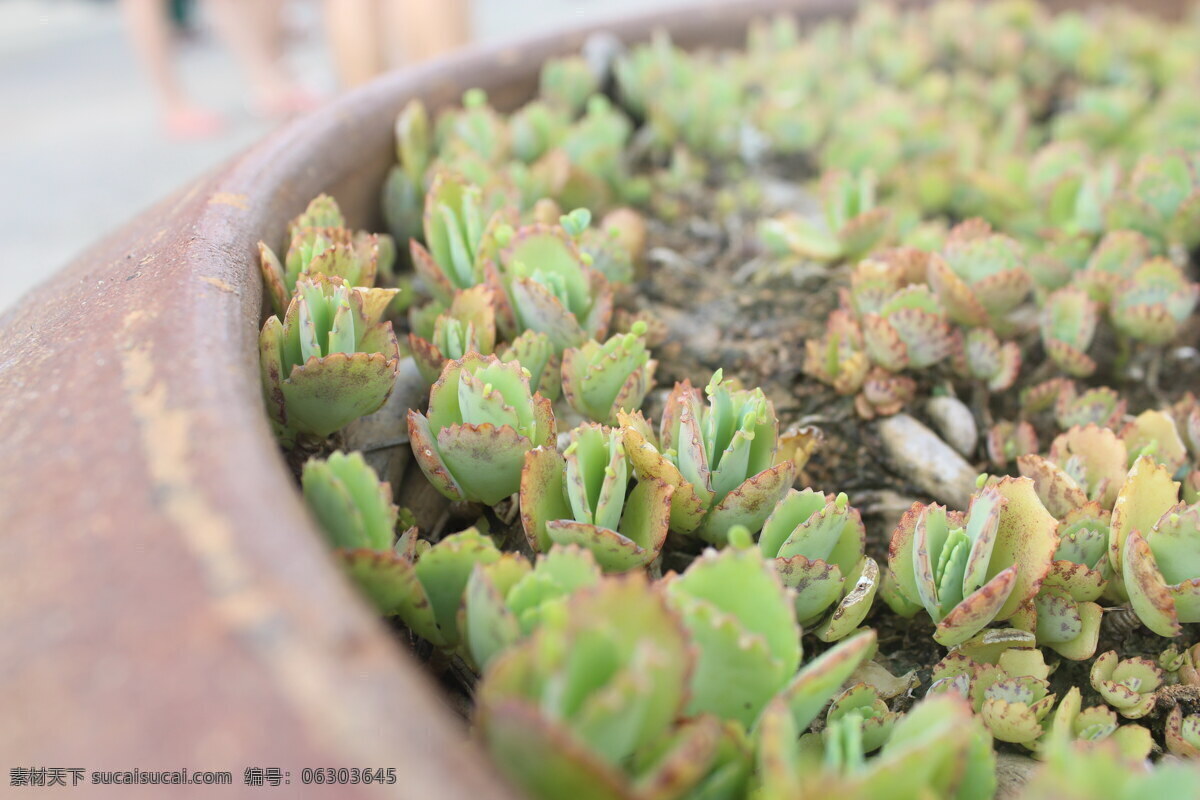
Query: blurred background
point(113, 104)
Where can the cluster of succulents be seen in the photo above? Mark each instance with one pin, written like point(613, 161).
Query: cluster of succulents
point(1000, 207)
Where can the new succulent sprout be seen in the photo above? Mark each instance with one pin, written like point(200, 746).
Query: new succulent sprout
point(467, 326)
point(851, 225)
point(816, 545)
point(1126, 684)
point(719, 456)
point(331, 359)
point(482, 420)
point(1066, 612)
point(1069, 320)
point(350, 502)
point(320, 243)
point(543, 284)
point(967, 571)
point(537, 355)
point(584, 705)
point(838, 358)
point(583, 497)
point(601, 379)
point(1093, 725)
point(506, 599)
point(460, 235)
point(979, 354)
point(981, 276)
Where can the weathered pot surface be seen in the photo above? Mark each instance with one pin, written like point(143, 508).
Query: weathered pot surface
point(165, 599)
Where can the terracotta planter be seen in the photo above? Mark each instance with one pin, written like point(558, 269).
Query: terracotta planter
point(164, 598)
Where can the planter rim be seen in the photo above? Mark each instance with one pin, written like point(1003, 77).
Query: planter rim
point(167, 601)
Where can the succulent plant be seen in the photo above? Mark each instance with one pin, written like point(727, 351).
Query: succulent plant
point(720, 457)
point(468, 325)
point(568, 82)
point(939, 747)
point(1127, 685)
point(1152, 303)
point(1161, 569)
point(601, 379)
point(507, 599)
point(1155, 433)
point(1077, 770)
point(1183, 733)
point(1113, 262)
point(1067, 616)
point(1070, 722)
point(582, 497)
point(482, 420)
point(981, 276)
point(352, 505)
point(909, 330)
point(1099, 405)
point(979, 354)
point(542, 283)
point(1008, 441)
point(1013, 708)
point(423, 585)
point(331, 360)
point(1086, 463)
point(587, 702)
point(319, 242)
point(459, 234)
point(1069, 320)
point(1159, 200)
point(968, 571)
point(851, 226)
point(884, 393)
point(536, 353)
point(838, 358)
point(864, 701)
point(816, 542)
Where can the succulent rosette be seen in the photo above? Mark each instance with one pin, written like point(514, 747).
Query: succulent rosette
point(459, 236)
point(1113, 262)
point(850, 227)
point(536, 353)
point(939, 748)
point(467, 326)
point(1013, 707)
point(482, 420)
point(352, 505)
point(864, 701)
point(1161, 199)
point(1086, 463)
point(1008, 441)
point(601, 379)
point(542, 283)
point(1161, 569)
point(583, 497)
point(969, 571)
point(1099, 405)
point(980, 277)
point(1096, 724)
point(506, 599)
point(593, 704)
point(1153, 303)
point(979, 354)
point(719, 456)
point(884, 393)
point(1182, 733)
point(837, 358)
point(1156, 434)
point(909, 331)
point(331, 360)
point(1067, 616)
point(1069, 320)
point(423, 585)
point(319, 242)
point(816, 544)
point(1127, 685)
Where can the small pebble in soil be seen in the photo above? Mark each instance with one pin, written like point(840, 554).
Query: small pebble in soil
point(923, 459)
point(955, 422)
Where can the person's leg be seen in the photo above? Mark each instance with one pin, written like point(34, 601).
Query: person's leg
point(355, 39)
point(253, 31)
point(150, 33)
point(428, 29)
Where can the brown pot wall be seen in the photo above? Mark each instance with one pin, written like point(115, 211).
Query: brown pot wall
point(165, 601)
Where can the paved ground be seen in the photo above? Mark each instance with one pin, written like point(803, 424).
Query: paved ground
point(80, 150)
